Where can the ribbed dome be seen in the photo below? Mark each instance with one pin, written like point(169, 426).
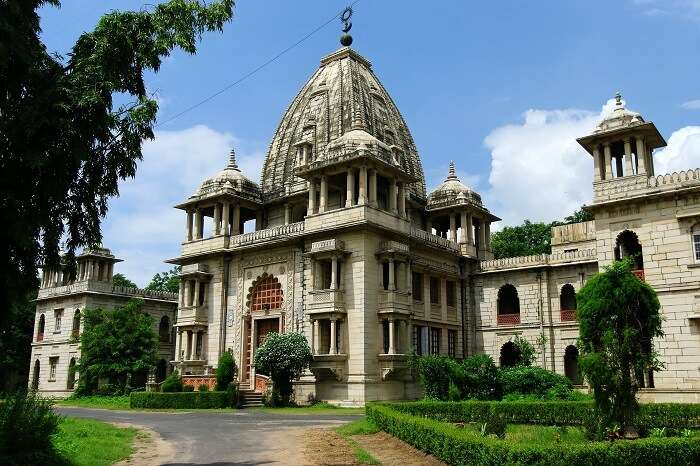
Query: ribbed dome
point(230, 179)
point(342, 100)
point(452, 191)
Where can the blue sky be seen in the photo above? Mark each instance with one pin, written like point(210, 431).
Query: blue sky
point(502, 88)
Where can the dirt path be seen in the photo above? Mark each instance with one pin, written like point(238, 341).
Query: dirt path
point(392, 451)
point(149, 447)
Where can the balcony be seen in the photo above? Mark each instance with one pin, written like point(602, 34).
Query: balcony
point(326, 301)
point(192, 315)
point(204, 245)
point(393, 302)
point(508, 319)
point(324, 365)
point(568, 315)
point(393, 364)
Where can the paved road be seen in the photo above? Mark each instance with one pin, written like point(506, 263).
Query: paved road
point(239, 438)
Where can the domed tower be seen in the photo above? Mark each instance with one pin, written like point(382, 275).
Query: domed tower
point(456, 211)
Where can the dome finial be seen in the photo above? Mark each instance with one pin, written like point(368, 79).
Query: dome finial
point(618, 99)
point(452, 173)
point(346, 39)
point(232, 160)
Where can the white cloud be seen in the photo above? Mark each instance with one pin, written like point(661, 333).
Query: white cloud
point(681, 153)
point(689, 9)
point(142, 227)
point(691, 105)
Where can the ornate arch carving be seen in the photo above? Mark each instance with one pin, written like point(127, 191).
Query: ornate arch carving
point(265, 293)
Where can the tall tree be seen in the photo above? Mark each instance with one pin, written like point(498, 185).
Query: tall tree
point(579, 215)
point(16, 344)
point(116, 345)
point(119, 279)
point(166, 281)
point(64, 144)
point(522, 240)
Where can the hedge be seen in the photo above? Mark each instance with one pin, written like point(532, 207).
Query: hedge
point(675, 415)
point(460, 447)
point(179, 400)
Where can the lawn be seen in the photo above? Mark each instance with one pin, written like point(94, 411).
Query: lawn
point(92, 443)
point(95, 401)
point(316, 408)
point(359, 427)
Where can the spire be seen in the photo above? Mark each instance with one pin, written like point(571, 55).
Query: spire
point(232, 160)
point(346, 39)
point(618, 101)
point(451, 174)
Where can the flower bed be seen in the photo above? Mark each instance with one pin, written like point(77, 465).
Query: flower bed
point(456, 445)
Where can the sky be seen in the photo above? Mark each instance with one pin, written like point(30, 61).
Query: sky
point(502, 88)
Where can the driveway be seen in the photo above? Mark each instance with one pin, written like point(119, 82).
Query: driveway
point(238, 438)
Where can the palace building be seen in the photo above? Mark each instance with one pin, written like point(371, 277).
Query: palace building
point(341, 241)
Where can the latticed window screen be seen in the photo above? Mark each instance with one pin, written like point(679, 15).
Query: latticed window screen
point(267, 295)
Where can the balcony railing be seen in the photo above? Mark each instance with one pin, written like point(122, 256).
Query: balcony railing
point(430, 238)
point(393, 301)
point(508, 319)
point(268, 234)
point(568, 315)
point(326, 301)
point(639, 274)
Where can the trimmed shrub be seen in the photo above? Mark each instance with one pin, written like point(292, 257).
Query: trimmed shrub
point(187, 388)
point(479, 377)
point(225, 371)
point(183, 400)
point(436, 372)
point(27, 423)
point(232, 395)
point(457, 446)
point(521, 380)
point(203, 387)
point(283, 357)
point(172, 383)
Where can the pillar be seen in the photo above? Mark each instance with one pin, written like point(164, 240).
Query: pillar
point(188, 353)
point(177, 344)
point(487, 235)
point(196, 293)
point(596, 164)
point(323, 201)
point(312, 197)
point(188, 227)
point(641, 157)
point(334, 272)
point(392, 345)
point(316, 338)
point(217, 219)
point(463, 225)
point(482, 234)
point(409, 277)
point(350, 188)
point(333, 349)
point(402, 200)
point(373, 188)
point(236, 221)
point(362, 196)
point(608, 161)
point(180, 295)
point(453, 227)
point(287, 214)
point(628, 158)
point(198, 224)
point(185, 285)
point(305, 153)
point(392, 275)
point(392, 196)
point(225, 219)
point(470, 229)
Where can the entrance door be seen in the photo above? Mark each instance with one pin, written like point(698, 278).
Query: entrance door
point(263, 327)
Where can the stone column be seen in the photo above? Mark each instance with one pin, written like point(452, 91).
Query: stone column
point(312, 197)
point(177, 344)
point(188, 228)
point(641, 157)
point(334, 272)
point(470, 229)
point(402, 200)
point(392, 346)
point(323, 202)
point(316, 338)
point(181, 295)
point(198, 224)
point(196, 293)
point(225, 230)
point(463, 226)
point(236, 220)
point(409, 277)
point(487, 235)
point(392, 196)
point(453, 227)
point(185, 284)
point(482, 234)
point(596, 164)
point(373, 188)
point(305, 152)
point(333, 349)
point(188, 352)
point(608, 161)
point(350, 188)
point(362, 197)
point(628, 158)
point(392, 275)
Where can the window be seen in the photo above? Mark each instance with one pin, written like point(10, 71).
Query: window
point(70, 383)
point(385, 275)
point(75, 332)
point(58, 316)
point(435, 341)
point(40, 328)
point(324, 268)
point(202, 293)
point(164, 329)
point(53, 363)
point(696, 242)
point(267, 294)
point(417, 285)
point(450, 294)
point(567, 303)
point(452, 343)
point(508, 306)
point(417, 347)
point(434, 290)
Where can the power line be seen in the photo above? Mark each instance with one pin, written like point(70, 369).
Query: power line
point(255, 70)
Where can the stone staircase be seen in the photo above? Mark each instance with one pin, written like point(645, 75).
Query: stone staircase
point(250, 398)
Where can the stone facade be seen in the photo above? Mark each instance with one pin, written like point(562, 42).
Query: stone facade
point(58, 323)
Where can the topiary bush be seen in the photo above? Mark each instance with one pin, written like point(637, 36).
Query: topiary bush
point(182, 400)
point(436, 372)
point(225, 371)
point(479, 378)
point(172, 383)
point(533, 380)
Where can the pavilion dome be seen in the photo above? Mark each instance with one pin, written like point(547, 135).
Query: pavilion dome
point(453, 192)
point(342, 105)
point(620, 117)
point(229, 179)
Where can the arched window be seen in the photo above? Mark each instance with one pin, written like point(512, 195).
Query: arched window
point(35, 375)
point(695, 234)
point(510, 354)
point(76, 324)
point(508, 306)
point(161, 370)
point(567, 303)
point(571, 364)
point(40, 328)
point(266, 294)
point(627, 245)
point(164, 329)
point(71, 374)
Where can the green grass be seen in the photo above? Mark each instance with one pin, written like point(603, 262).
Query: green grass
point(96, 401)
point(93, 443)
point(534, 434)
point(316, 408)
point(359, 427)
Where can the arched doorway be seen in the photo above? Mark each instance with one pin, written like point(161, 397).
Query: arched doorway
point(265, 297)
point(35, 375)
point(164, 329)
point(510, 354)
point(571, 364)
point(508, 306)
point(628, 245)
point(71, 375)
point(161, 370)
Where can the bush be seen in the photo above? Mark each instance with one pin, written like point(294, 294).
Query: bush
point(479, 378)
point(521, 380)
point(526, 352)
point(283, 357)
point(203, 387)
point(225, 371)
point(495, 425)
point(232, 395)
point(27, 424)
point(436, 372)
point(456, 446)
point(184, 400)
point(187, 388)
point(172, 383)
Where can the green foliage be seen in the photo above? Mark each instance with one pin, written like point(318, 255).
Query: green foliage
point(172, 383)
point(479, 378)
point(233, 397)
point(184, 400)
point(96, 401)
point(522, 240)
point(166, 281)
point(579, 215)
point(225, 371)
point(118, 279)
point(117, 345)
point(522, 380)
point(62, 134)
point(618, 318)
point(460, 446)
point(526, 351)
point(85, 442)
point(283, 357)
point(187, 388)
point(495, 424)
point(15, 343)
point(203, 387)
point(436, 372)
point(27, 423)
